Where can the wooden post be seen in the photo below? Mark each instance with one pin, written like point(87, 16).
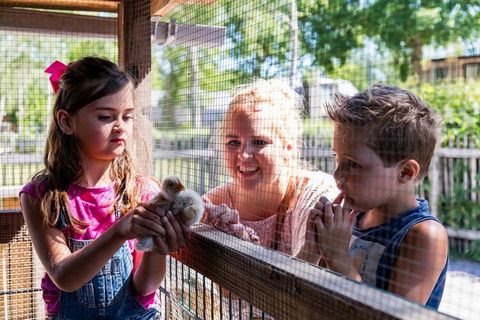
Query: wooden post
point(134, 42)
point(434, 177)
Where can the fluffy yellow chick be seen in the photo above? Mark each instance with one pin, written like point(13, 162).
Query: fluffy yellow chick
point(188, 206)
point(183, 202)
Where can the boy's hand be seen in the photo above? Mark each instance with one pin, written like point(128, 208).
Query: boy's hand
point(228, 220)
point(334, 225)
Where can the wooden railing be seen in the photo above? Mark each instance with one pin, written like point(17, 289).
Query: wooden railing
point(282, 286)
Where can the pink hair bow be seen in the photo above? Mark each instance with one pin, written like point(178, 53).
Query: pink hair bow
point(56, 69)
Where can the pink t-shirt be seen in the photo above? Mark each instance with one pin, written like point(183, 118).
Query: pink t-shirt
point(94, 206)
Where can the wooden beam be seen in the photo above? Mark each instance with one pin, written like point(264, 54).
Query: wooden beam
point(135, 57)
point(288, 288)
point(82, 5)
point(157, 5)
point(45, 22)
point(189, 34)
point(164, 7)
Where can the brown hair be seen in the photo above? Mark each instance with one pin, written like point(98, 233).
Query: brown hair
point(397, 124)
point(84, 81)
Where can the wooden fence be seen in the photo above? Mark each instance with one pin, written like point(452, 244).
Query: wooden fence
point(453, 178)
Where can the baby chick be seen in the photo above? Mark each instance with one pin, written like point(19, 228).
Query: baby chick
point(171, 186)
point(183, 202)
point(188, 206)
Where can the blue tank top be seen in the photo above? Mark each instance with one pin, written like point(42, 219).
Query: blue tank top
point(375, 250)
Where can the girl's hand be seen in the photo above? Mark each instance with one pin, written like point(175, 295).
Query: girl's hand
point(228, 220)
point(144, 220)
point(176, 234)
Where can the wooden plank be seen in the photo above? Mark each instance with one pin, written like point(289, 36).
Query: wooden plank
point(8, 203)
point(44, 22)
point(317, 153)
point(464, 234)
point(135, 57)
point(164, 7)
point(287, 288)
point(434, 173)
point(189, 34)
point(37, 158)
point(473, 178)
point(82, 5)
point(21, 271)
point(157, 5)
point(163, 154)
point(17, 158)
point(458, 153)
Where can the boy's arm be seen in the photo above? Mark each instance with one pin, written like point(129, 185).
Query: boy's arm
point(421, 259)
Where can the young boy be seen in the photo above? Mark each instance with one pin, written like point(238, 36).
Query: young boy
point(384, 138)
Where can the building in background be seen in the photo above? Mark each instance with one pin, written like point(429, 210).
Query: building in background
point(322, 90)
point(451, 68)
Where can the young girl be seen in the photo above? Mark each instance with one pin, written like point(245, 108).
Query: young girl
point(85, 208)
point(269, 196)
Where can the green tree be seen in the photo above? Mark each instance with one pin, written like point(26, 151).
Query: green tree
point(258, 35)
point(405, 27)
point(24, 87)
point(329, 31)
point(257, 45)
point(458, 104)
point(173, 80)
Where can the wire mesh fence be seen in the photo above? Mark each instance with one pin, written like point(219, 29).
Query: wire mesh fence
point(265, 155)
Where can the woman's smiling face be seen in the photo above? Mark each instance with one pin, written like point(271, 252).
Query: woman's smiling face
point(254, 152)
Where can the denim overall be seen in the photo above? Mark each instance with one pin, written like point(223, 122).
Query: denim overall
point(107, 294)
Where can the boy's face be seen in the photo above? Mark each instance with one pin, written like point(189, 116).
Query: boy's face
point(360, 173)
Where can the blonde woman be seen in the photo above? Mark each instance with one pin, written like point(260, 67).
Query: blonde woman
point(270, 192)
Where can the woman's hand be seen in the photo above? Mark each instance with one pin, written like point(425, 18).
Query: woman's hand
point(228, 220)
